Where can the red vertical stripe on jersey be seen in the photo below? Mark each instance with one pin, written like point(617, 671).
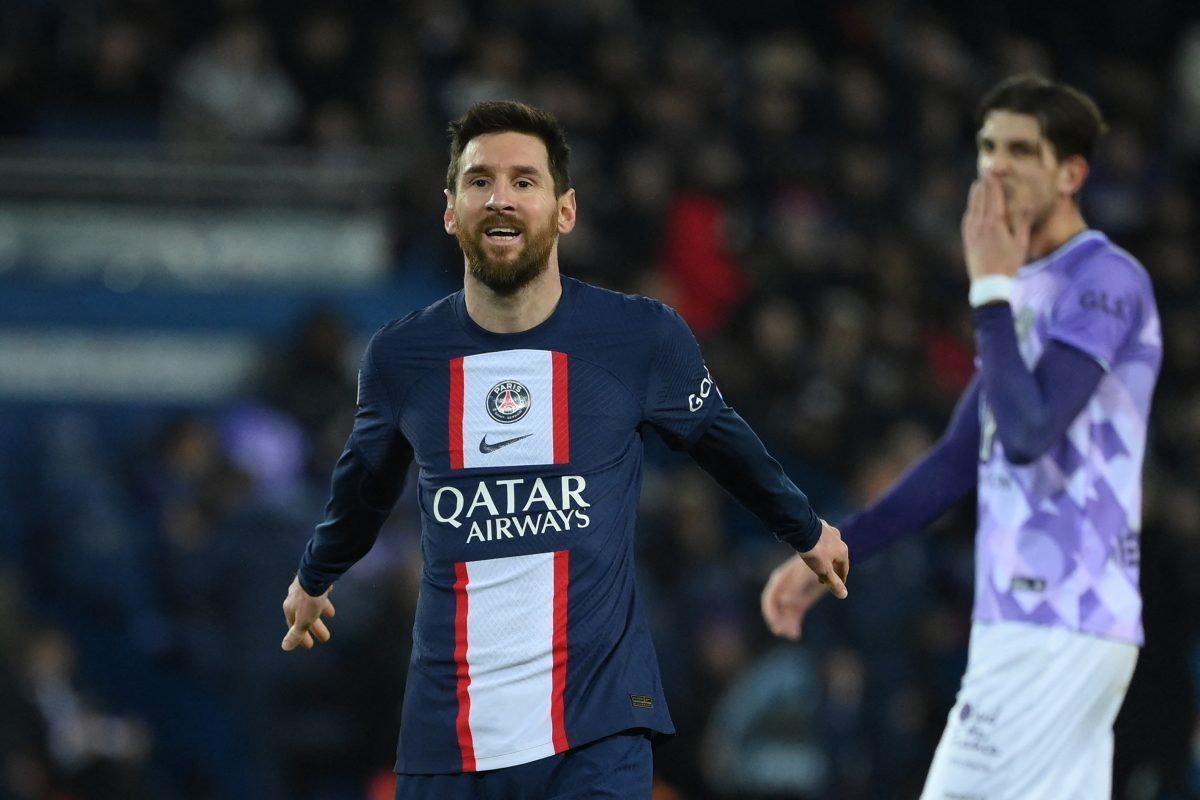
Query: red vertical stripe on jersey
point(463, 723)
point(562, 427)
point(562, 575)
point(456, 413)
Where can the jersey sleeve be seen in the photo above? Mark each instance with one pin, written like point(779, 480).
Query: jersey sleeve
point(1100, 309)
point(682, 399)
point(366, 482)
point(733, 454)
point(375, 431)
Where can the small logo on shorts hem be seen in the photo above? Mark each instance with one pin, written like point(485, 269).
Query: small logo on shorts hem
point(641, 701)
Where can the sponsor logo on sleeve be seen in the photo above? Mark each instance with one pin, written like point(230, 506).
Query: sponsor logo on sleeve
point(696, 400)
point(1100, 301)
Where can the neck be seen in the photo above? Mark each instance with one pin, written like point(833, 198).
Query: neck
point(514, 313)
point(1060, 228)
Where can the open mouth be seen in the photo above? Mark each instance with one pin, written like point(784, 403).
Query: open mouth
point(502, 233)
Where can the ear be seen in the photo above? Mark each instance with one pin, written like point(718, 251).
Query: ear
point(1072, 173)
point(449, 222)
point(566, 212)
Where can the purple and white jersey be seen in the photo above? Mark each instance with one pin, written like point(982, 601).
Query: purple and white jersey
point(1058, 539)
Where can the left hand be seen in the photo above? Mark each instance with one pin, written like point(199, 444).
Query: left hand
point(990, 245)
point(829, 560)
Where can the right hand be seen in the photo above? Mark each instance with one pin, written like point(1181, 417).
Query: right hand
point(303, 613)
point(995, 241)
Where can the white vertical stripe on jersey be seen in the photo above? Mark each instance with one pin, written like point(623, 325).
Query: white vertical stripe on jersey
point(535, 370)
point(510, 655)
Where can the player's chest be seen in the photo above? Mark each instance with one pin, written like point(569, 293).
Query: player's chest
point(518, 408)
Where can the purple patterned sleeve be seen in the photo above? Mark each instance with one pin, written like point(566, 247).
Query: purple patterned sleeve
point(1032, 409)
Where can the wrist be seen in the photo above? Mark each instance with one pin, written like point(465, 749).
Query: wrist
point(990, 289)
point(311, 587)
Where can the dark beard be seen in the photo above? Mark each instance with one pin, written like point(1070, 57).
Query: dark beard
point(508, 277)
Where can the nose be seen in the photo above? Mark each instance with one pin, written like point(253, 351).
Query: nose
point(500, 199)
point(994, 163)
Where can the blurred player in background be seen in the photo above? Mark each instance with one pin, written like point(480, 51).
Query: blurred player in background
point(1052, 432)
point(523, 399)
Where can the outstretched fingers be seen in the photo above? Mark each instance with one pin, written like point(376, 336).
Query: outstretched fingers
point(832, 581)
point(303, 613)
point(974, 204)
point(297, 636)
point(781, 608)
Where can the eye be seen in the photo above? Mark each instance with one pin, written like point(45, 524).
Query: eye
point(479, 182)
point(524, 183)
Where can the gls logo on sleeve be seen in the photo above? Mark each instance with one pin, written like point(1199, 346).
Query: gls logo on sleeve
point(696, 400)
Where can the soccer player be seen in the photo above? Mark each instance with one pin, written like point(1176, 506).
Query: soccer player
point(1052, 433)
point(523, 400)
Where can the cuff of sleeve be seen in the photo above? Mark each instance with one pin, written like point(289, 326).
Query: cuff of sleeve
point(805, 540)
point(990, 289)
point(311, 587)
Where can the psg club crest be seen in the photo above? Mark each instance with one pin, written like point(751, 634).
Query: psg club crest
point(508, 401)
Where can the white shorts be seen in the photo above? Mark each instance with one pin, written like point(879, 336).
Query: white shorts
point(1033, 719)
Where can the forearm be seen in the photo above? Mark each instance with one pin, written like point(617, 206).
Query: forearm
point(360, 501)
point(732, 453)
point(925, 491)
point(1032, 409)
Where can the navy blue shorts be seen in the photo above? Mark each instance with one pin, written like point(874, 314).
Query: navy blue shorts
point(618, 767)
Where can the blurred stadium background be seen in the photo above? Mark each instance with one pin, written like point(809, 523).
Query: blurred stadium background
point(206, 207)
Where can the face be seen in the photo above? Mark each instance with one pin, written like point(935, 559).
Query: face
point(1011, 147)
point(504, 212)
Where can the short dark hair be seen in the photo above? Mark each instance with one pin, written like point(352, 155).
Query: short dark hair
point(1069, 119)
point(505, 116)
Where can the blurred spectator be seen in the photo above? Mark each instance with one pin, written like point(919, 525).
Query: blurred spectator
point(766, 737)
point(325, 58)
point(99, 754)
point(495, 71)
point(701, 279)
point(1186, 86)
point(232, 89)
point(316, 360)
point(187, 485)
point(114, 88)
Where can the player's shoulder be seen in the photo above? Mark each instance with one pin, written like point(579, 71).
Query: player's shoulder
point(612, 308)
point(1110, 263)
point(431, 323)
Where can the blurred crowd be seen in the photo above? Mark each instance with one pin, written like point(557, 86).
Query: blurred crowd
point(790, 176)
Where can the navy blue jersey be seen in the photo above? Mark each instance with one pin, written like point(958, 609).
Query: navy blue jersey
point(529, 636)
